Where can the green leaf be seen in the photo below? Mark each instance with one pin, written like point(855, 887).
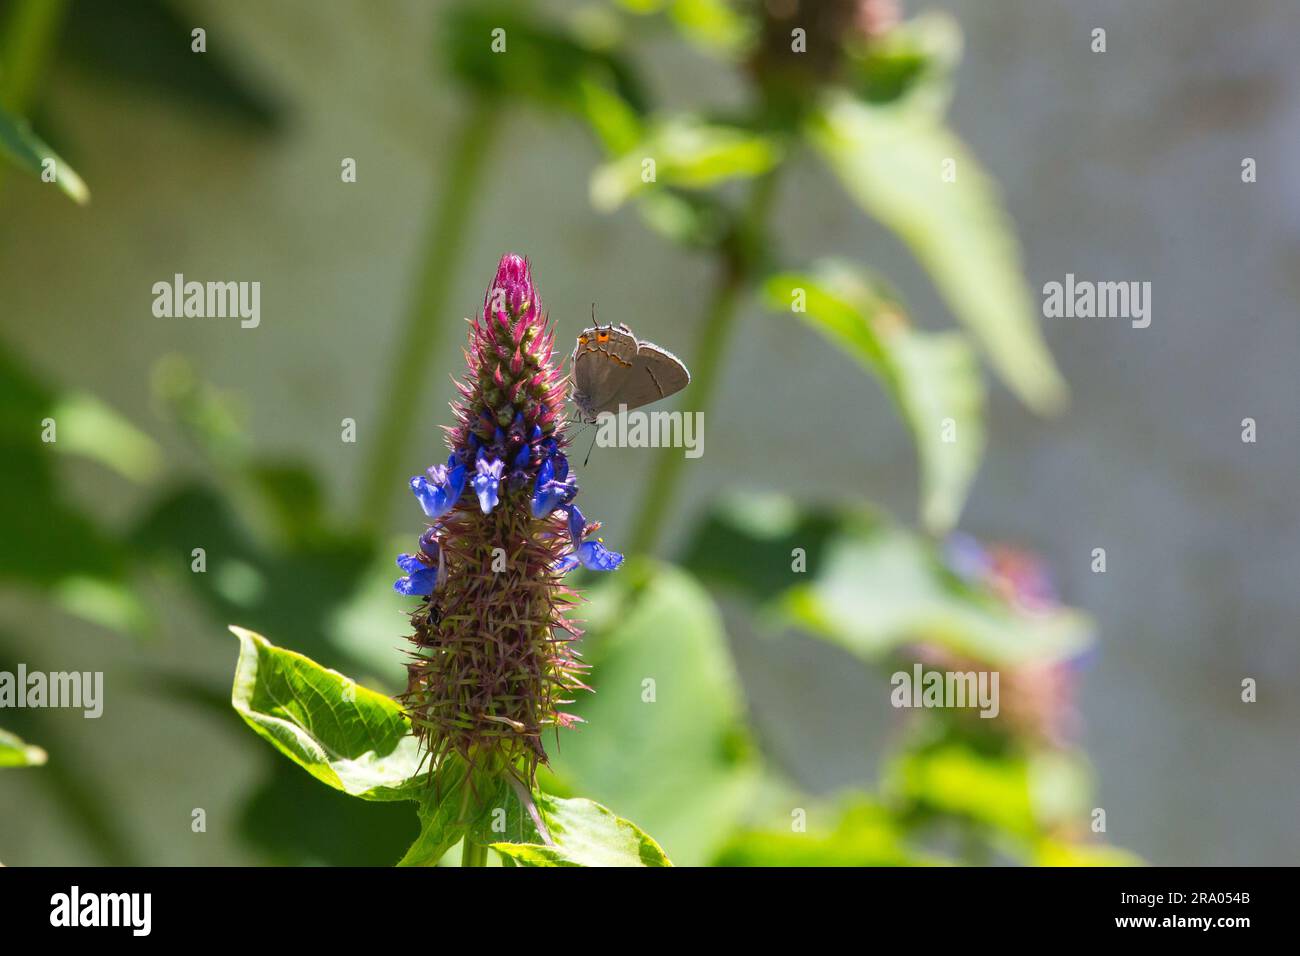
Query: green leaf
point(695, 220)
point(147, 44)
point(914, 61)
point(544, 64)
point(713, 25)
point(492, 813)
point(109, 603)
point(958, 781)
point(256, 576)
point(450, 805)
point(1060, 853)
point(291, 820)
point(869, 586)
point(584, 833)
point(688, 153)
point(92, 429)
point(15, 753)
point(50, 541)
point(28, 152)
point(358, 741)
point(881, 587)
point(681, 764)
point(74, 781)
point(1013, 800)
point(346, 736)
point(863, 834)
point(1020, 794)
point(931, 377)
point(890, 158)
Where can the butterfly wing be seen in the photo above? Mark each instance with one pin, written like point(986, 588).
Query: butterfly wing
point(600, 369)
point(656, 373)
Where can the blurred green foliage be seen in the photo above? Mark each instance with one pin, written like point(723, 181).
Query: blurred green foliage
point(932, 377)
point(25, 150)
point(870, 586)
point(678, 755)
point(672, 745)
point(15, 752)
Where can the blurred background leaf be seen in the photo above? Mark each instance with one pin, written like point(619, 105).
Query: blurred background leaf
point(673, 755)
point(1064, 853)
point(29, 153)
point(870, 586)
point(291, 589)
point(89, 428)
point(890, 160)
point(1006, 801)
point(52, 542)
point(860, 833)
point(546, 65)
point(294, 821)
point(147, 44)
point(914, 61)
point(15, 752)
point(930, 376)
point(687, 153)
point(715, 26)
point(71, 781)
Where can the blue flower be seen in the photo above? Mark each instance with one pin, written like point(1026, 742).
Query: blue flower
point(519, 466)
point(554, 486)
point(517, 427)
point(439, 492)
point(420, 578)
point(487, 480)
point(966, 557)
point(577, 526)
point(592, 555)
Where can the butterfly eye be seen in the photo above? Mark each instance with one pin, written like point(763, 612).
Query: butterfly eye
point(602, 336)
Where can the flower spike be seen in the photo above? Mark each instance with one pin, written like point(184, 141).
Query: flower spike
point(492, 661)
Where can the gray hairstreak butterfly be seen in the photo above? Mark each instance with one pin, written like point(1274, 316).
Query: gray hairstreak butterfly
point(611, 367)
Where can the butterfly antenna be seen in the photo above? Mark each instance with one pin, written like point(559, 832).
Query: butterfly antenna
point(590, 449)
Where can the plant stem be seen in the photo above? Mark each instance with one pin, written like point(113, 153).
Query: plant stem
point(424, 332)
point(473, 854)
point(27, 38)
point(739, 261)
point(662, 487)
